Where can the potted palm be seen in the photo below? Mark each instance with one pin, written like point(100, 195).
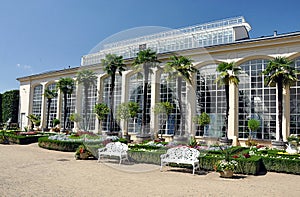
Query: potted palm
point(226, 166)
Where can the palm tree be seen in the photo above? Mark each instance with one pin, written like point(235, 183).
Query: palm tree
point(280, 73)
point(49, 94)
point(145, 60)
point(112, 64)
point(87, 78)
point(181, 68)
point(66, 86)
point(228, 75)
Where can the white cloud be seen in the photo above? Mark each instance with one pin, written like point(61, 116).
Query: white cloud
point(24, 67)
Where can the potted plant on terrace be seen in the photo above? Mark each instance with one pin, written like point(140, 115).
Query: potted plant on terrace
point(226, 166)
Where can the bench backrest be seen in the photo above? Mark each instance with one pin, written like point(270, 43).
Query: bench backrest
point(183, 153)
point(116, 147)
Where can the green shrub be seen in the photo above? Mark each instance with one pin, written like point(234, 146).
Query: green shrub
point(12, 137)
point(282, 165)
point(67, 146)
point(145, 157)
point(10, 106)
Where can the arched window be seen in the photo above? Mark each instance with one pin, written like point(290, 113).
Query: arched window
point(53, 106)
point(295, 103)
point(117, 99)
point(210, 98)
point(88, 123)
point(256, 101)
point(136, 95)
point(168, 92)
point(70, 109)
point(37, 100)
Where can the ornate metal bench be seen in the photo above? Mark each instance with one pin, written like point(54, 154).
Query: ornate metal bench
point(181, 155)
point(114, 149)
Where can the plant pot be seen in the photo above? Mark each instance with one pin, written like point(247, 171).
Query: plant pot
point(226, 174)
point(83, 155)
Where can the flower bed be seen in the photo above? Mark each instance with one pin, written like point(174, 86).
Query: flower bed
point(21, 138)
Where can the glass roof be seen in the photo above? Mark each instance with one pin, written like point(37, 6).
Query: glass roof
point(208, 34)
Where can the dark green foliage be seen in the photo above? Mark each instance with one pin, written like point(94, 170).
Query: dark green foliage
point(282, 165)
point(12, 137)
point(1, 108)
point(145, 157)
point(66, 146)
point(10, 106)
point(252, 165)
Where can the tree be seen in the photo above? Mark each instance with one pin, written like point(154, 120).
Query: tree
point(228, 75)
point(101, 110)
point(164, 108)
point(126, 111)
point(66, 86)
point(145, 60)
point(253, 125)
point(87, 78)
point(34, 120)
point(74, 117)
point(10, 106)
point(49, 94)
point(202, 120)
point(280, 73)
point(180, 68)
point(112, 64)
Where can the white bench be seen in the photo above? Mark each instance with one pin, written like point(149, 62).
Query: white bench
point(181, 155)
point(114, 149)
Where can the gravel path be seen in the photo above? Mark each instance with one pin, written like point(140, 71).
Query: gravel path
point(27, 170)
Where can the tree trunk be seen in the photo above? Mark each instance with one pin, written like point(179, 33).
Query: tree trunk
point(111, 96)
point(227, 109)
point(86, 102)
point(279, 99)
point(48, 112)
point(179, 85)
point(145, 100)
point(65, 110)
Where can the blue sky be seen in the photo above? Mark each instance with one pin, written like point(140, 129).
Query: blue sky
point(43, 35)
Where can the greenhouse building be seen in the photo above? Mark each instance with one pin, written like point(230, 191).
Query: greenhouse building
point(207, 45)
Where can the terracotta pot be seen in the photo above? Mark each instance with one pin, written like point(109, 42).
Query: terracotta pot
point(226, 174)
point(84, 155)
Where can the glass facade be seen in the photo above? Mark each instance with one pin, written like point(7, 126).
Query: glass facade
point(37, 100)
point(136, 95)
point(71, 103)
point(117, 100)
point(295, 103)
point(208, 34)
point(168, 92)
point(88, 123)
point(53, 106)
point(210, 98)
point(256, 101)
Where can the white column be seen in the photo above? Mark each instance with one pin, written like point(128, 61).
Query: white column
point(286, 114)
point(233, 114)
point(59, 107)
point(190, 109)
point(277, 120)
point(78, 108)
point(44, 108)
point(155, 94)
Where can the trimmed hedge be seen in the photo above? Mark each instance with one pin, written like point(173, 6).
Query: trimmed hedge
point(20, 139)
point(66, 146)
point(282, 165)
point(251, 165)
point(145, 157)
point(10, 105)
